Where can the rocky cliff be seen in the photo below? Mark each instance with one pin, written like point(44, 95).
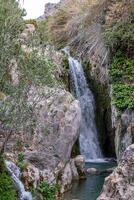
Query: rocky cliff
point(58, 118)
point(100, 34)
point(119, 121)
point(51, 8)
point(120, 184)
point(105, 35)
point(56, 115)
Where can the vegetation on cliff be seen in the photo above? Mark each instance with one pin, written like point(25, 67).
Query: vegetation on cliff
point(23, 67)
point(28, 66)
point(72, 25)
point(85, 26)
point(120, 40)
point(78, 25)
point(47, 191)
point(7, 191)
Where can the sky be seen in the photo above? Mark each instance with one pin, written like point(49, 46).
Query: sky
point(35, 8)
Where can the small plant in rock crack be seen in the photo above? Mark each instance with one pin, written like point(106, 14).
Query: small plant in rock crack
point(20, 162)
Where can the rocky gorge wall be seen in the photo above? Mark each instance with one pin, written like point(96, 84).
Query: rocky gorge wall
point(47, 153)
point(93, 49)
point(119, 123)
point(114, 116)
point(114, 113)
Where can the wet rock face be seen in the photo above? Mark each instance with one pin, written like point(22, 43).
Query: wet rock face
point(120, 184)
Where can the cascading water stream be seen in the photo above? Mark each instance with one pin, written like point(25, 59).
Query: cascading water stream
point(89, 144)
point(15, 174)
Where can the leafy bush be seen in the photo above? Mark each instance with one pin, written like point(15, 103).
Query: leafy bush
point(36, 70)
point(122, 74)
point(122, 68)
point(120, 40)
point(7, 191)
point(48, 191)
point(20, 162)
point(11, 25)
point(42, 33)
point(123, 96)
point(20, 157)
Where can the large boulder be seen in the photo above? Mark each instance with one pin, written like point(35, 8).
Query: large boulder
point(58, 117)
point(120, 184)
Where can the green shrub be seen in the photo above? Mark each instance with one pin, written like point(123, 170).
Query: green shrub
point(122, 68)
point(123, 96)
point(48, 191)
point(122, 75)
point(36, 70)
point(11, 25)
point(120, 40)
point(7, 191)
point(20, 157)
point(42, 32)
point(20, 162)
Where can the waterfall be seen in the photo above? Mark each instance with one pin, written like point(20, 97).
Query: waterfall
point(15, 174)
point(89, 144)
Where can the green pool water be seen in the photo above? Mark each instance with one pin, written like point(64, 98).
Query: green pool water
point(90, 188)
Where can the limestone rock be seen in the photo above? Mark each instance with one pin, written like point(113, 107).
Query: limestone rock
point(58, 116)
point(75, 175)
point(80, 162)
point(124, 129)
point(120, 184)
point(58, 119)
point(13, 72)
point(66, 179)
point(63, 174)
